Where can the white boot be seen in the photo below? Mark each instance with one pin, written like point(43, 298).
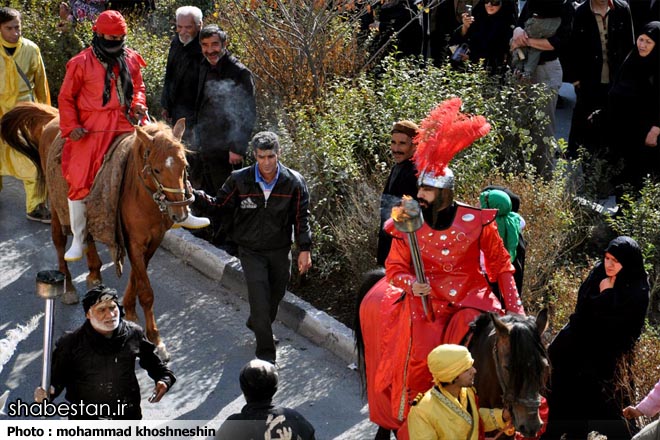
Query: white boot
point(78, 219)
point(192, 222)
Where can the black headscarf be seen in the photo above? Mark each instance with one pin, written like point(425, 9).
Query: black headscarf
point(113, 53)
point(629, 254)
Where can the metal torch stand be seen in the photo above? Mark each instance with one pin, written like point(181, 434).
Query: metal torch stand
point(50, 285)
point(410, 225)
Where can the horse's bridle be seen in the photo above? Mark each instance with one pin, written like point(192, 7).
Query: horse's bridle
point(159, 196)
point(507, 395)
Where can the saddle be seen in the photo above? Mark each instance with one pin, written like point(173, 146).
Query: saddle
point(103, 214)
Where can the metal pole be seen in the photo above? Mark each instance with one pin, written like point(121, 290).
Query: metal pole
point(419, 272)
point(50, 284)
point(48, 344)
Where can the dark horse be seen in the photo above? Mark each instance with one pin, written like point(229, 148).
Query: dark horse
point(510, 358)
point(153, 195)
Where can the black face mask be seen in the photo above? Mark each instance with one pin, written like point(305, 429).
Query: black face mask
point(111, 46)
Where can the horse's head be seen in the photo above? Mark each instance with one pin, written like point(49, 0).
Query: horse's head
point(522, 367)
point(163, 167)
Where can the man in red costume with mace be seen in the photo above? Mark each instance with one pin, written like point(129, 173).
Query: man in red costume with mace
point(398, 332)
point(102, 93)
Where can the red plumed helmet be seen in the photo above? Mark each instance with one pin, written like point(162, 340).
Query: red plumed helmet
point(442, 134)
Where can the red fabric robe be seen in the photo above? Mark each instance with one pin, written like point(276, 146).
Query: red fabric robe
point(397, 335)
point(81, 105)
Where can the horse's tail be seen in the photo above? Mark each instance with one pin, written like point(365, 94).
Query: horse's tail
point(21, 129)
point(369, 279)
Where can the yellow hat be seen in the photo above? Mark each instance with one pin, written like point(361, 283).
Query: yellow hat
point(448, 361)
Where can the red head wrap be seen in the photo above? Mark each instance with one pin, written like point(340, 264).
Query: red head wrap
point(110, 23)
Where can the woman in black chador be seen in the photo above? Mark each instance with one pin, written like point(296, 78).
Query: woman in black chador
point(605, 326)
point(634, 110)
point(488, 32)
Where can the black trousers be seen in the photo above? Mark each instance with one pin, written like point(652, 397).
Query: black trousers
point(267, 275)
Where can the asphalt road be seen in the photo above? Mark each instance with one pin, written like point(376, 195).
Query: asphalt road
point(201, 322)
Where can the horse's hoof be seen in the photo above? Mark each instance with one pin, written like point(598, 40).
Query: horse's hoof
point(162, 352)
point(70, 297)
point(91, 283)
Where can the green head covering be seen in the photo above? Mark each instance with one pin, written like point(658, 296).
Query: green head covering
point(508, 222)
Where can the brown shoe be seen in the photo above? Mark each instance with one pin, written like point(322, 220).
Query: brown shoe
point(40, 214)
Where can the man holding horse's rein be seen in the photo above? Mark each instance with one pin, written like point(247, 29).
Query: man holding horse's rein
point(268, 203)
point(399, 330)
point(450, 409)
point(102, 95)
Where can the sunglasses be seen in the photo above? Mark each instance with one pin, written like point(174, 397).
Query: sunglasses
point(493, 2)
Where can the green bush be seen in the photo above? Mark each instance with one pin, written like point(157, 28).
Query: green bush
point(342, 146)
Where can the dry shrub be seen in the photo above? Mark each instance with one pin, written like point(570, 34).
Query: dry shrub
point(294, 48)
point(646, 365)
point(551, 222)
point(355, 227)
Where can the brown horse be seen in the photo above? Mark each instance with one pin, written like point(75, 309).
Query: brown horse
point(154, 195)
point(511, 361)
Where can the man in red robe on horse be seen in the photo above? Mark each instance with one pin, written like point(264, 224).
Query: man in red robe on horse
point(402, 317)
point(102, 94)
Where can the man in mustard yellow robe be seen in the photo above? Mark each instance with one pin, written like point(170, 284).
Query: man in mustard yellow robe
point(22, 78)
point(450, 410)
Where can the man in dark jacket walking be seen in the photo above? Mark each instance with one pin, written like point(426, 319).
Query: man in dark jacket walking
point(268, 203)
point(260, 419)
point(182, 69)
point(96, 363)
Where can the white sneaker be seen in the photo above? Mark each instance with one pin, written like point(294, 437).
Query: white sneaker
point(193, 222)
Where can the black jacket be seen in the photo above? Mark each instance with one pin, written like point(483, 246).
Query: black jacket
point(181, 80)
point(258, 224)
point(401, 181)
point(584, 50)
point(225, 107)
point(96, 369)
point(251, 424)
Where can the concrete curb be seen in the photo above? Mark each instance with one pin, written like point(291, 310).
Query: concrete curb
point(299, 315)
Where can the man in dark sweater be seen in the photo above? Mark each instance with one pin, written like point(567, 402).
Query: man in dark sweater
point(96, 363)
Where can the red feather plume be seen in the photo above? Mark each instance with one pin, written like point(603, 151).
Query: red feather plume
point(445, 132)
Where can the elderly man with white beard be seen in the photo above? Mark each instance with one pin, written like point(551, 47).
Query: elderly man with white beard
point(96, 363)
point(182, 69)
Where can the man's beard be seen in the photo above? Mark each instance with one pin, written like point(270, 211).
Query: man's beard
point(185, 39)
point(104, 326)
